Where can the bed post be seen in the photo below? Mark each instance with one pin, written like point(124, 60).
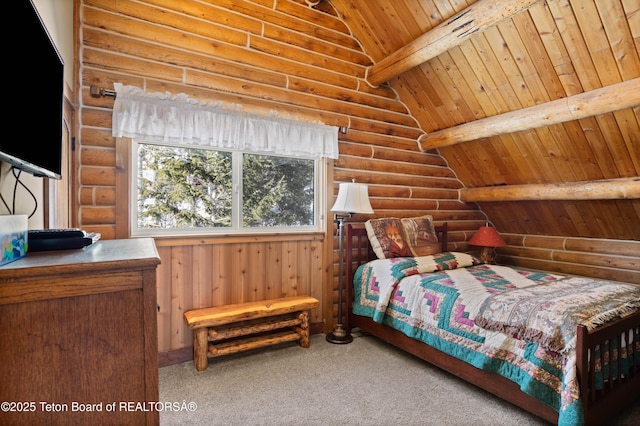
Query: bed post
point(442, 230)
point(355, 256)
point(348, 287)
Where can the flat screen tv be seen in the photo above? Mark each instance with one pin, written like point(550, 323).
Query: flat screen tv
point(35, 86)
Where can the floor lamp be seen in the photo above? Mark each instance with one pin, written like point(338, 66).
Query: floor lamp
point(352, 198)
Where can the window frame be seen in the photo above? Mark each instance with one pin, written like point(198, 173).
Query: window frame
point(320, 198)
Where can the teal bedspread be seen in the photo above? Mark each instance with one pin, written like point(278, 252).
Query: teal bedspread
point(436, 300)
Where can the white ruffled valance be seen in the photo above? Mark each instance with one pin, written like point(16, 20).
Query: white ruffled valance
point(180, 120)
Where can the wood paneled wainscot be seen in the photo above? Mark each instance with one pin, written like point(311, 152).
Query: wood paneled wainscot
point(79, 338)
point(215, 271)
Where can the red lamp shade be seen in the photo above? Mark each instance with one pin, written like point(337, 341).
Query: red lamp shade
point(487, 237)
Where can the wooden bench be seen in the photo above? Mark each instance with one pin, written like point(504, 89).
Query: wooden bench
point(227, 329)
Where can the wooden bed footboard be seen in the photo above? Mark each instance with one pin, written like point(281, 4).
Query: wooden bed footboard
point(619, 388)
point(620, 383)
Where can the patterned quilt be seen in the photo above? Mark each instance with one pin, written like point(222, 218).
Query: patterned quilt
point(549, 314)
point(439, 304)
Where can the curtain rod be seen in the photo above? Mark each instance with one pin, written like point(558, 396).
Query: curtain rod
point(97, 92)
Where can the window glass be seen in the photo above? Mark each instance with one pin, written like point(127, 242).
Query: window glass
point(277, 191)
point(186, 190)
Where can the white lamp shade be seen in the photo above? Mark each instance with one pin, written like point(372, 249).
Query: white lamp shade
point(352, 198)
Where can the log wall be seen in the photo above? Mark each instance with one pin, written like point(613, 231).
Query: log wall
point(593, 257)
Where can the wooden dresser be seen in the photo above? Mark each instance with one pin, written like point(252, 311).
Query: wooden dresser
point(78, 336)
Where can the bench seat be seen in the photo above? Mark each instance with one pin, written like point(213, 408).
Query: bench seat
point(222, 330)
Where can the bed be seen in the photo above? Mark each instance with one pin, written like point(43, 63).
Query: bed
point(470, 319)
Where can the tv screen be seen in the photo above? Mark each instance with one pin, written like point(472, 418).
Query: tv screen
point(35, 85)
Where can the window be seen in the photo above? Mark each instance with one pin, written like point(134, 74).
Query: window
point(192, 190)
point(203, 167)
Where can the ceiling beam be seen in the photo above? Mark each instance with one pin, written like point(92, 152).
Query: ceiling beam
point(609, 189)
point(599, 101)
point(476, 18)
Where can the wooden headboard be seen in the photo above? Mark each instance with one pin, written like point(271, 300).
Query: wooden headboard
point(359, 251)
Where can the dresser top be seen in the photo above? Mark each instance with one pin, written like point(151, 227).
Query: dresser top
point(103, 255)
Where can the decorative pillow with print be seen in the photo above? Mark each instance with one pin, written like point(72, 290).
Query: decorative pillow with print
point(386, 238)
point(420, 234)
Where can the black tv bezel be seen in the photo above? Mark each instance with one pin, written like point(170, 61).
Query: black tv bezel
point(31, 168)
point(20, 159)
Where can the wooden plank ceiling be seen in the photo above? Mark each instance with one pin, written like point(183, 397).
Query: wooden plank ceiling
point(534, 104)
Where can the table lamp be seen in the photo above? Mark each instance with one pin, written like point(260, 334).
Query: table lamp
point(487, 238)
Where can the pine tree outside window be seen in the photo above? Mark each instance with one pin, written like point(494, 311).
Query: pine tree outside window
point(181, 190)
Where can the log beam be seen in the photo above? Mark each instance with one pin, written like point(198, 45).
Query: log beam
point(609, 189)
point(476, 18)
point(599, 101)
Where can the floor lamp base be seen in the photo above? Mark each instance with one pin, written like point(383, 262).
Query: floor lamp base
point(339, 336)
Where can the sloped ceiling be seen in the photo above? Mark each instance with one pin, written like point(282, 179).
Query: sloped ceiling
point(573, 178)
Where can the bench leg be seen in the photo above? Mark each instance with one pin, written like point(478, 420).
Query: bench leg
point(303, 330)
point(200, 348)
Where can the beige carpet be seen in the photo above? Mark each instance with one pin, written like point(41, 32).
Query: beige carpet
point(366, 382)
